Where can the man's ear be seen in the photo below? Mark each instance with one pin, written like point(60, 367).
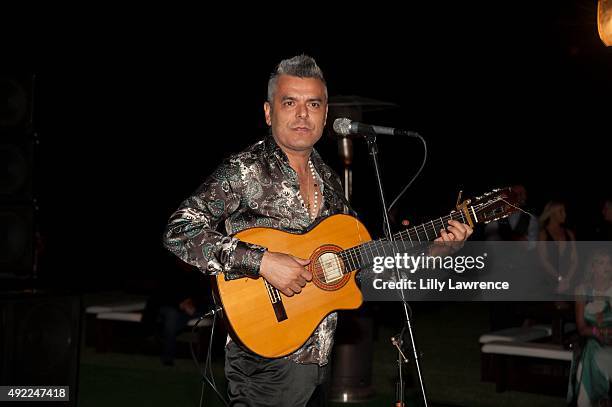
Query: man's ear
point(326, 111)
point(267, 112)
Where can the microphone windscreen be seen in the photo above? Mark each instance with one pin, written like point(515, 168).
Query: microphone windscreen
point(342, 126)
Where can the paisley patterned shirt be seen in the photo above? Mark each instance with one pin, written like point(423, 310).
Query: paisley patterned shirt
point(254, 188)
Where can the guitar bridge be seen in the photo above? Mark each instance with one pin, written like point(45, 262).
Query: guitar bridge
point(277, 302)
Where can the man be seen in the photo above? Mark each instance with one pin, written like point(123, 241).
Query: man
point(280, 182)
point(519, 226)
point(603, 230)
point(180, 297)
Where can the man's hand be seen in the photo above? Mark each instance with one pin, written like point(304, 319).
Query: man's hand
point(285, 272)
point(453, 237)
point(187, 307)
point(457, 231)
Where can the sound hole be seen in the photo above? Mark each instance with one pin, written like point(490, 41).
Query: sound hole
point(328, 269)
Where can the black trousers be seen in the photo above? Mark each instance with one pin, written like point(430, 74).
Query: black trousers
point(256, 381)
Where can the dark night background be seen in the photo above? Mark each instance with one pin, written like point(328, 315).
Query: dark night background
point(133, 118)
point(134, 109)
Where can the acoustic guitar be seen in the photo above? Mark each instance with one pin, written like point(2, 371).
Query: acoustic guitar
point(273, 325)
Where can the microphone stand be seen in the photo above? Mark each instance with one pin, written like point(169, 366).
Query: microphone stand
point(373, 149)
point(398, 342)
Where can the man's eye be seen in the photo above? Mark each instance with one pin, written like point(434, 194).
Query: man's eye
point(315, 104)
point(289, 103)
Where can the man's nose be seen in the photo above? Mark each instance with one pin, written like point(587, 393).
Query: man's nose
point(302, 111)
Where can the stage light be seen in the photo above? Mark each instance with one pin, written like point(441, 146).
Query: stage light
point(604, 21)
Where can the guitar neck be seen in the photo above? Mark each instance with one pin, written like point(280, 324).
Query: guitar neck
point(363, 255)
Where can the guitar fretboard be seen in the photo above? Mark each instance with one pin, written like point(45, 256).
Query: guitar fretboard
point(363, 255)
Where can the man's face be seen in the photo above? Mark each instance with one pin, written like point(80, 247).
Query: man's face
point(607, 211)
point(521, 194)
point(298, 112)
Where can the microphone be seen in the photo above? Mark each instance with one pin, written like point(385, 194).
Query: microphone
point(345, 127)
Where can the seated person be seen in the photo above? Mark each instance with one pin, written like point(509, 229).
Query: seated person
point(183, 294)
point(592, 365)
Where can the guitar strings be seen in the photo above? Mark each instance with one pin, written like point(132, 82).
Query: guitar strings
point(355, 253)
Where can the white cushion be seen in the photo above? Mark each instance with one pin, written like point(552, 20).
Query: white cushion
point(204, 322)
point(117, 307)
point(517, 334)
point(121, 316)
point(534, 350)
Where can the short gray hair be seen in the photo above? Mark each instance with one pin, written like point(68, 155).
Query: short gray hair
point(302, 66)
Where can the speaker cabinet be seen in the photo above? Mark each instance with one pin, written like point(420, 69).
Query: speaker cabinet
point(18, 146)
point(40, 336)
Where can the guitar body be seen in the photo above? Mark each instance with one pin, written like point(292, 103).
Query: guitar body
point(273, 325)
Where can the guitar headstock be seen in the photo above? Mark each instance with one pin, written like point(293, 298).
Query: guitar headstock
point(494, 205)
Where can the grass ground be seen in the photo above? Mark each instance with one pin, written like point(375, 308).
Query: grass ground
point(447, 335)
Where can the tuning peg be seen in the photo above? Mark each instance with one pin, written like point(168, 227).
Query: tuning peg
point(459, 199)
point(461, 204)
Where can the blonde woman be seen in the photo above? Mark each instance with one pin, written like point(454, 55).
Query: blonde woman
point(559, 260)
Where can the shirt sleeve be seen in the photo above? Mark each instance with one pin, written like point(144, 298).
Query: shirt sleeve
point(191, 233)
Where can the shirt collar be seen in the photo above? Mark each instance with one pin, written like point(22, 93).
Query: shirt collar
point(271, 148)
